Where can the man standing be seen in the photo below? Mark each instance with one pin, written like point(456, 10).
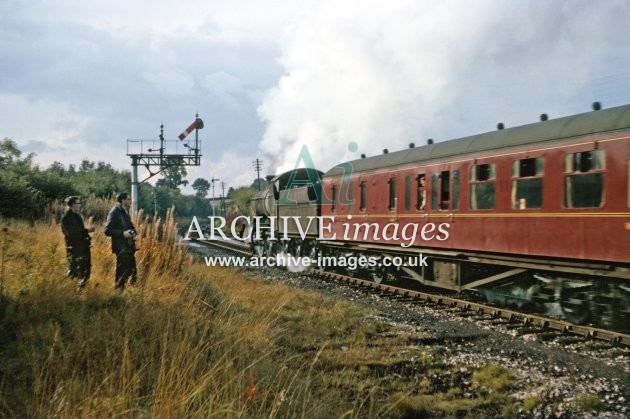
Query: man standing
point(123, 233)
point(77, 242)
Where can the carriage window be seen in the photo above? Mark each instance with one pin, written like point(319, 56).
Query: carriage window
point(445, 191)
point(455, 189)
point(334, 199)
point(407, 193)
point(482, 186)
point(527, 183)
point(350, 196)
point(441, 190)
point(483, 172)
point(586, 161)
point(435, 182)
point(363, 196)
point(392, 194)
point(422, 192)
point(584, 179)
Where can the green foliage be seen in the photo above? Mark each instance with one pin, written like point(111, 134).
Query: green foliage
point(8, 152)
point(241, 200)
point(201, 187)
point(174, 173)
point(25, 188)
point(99, 179)
point(19, 199)
point(158, 200)
point(589, 403)
point(494, 378)
point(51, 186)
point(28, 190)
point(532, 403)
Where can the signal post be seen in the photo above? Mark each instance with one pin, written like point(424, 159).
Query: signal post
point(160, 154)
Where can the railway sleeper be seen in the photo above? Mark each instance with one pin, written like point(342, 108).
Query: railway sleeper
point(527, 330)
point(578, 299)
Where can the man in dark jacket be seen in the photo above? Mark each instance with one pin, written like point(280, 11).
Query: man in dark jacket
point(77, 241)
point(123, 233)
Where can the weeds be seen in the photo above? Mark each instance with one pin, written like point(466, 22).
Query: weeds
point(589, 403)
point(192, 341)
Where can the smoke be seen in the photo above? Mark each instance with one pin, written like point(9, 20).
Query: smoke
point(384, 76)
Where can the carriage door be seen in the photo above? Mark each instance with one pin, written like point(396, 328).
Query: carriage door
point(445, 190)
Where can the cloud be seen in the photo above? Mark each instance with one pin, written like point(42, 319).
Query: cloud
point(226, 88)
point(170, 80)
point(384, 77)
point(95, 77)
point(51, 124)
point(269, 76)
point(235, 169)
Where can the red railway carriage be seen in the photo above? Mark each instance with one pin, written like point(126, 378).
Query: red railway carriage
point(537, 215)
point(551, 196)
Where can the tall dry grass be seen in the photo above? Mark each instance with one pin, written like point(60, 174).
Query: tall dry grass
point(193, 341)
point(92, 207)
point(163, 348)
point(169, 347)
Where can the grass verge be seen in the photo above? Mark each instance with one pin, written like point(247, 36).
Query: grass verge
point(197, 342)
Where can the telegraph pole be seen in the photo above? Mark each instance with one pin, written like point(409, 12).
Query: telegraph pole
point(213, 180)
point(223, 198)
point(154, 203)
point(257, 166)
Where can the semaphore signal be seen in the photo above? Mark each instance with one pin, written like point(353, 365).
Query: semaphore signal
point(198, 124)
point(168, 154)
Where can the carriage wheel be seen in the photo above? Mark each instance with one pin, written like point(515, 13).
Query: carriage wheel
point(575, 304)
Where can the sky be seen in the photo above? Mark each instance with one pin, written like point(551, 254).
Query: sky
point(79, 78)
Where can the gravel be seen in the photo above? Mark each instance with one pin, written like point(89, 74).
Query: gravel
point(558, 370)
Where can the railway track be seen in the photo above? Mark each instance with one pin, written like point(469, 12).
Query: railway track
point(238, 248)
point(530, 323)
point(525, 323)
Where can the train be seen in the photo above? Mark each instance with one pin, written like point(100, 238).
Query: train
point(535, 216)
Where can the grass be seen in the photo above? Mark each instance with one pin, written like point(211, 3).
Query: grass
point(193, 341)
point(589, 403)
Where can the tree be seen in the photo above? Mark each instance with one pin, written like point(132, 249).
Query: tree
point(165, 198)
point(242, 200)
point(10, 158)
point(50, 185)
point(174, 173)
point(26, 190)
point(8, 152)
point(100, 179)
point(201, 187)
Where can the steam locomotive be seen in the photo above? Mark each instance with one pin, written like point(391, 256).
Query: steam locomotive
point(533, 215)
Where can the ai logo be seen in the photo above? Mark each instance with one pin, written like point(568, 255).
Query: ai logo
point(313, 178)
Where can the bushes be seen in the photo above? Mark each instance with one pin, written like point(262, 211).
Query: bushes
point(30, 192)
